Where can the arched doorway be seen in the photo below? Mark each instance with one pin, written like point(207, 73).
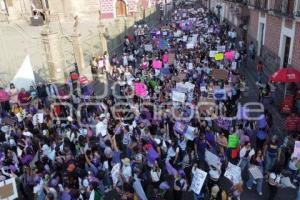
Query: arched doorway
point(120, 8)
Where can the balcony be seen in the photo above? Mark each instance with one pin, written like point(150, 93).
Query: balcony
point(285, 8)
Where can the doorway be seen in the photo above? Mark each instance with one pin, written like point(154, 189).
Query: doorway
point(261, 38)
point(286, 51)
point(121, 8)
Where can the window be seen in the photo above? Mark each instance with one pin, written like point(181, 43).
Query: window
point(120, 8)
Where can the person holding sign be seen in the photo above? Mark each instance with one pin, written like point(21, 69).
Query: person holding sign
point(256, 172)
point(245, 155)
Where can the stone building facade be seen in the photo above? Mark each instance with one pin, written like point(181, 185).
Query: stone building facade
point(273, 25)
point(17, 32)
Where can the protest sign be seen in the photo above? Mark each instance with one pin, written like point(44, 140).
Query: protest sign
point(297, 149)
point(255, 172)
point(180, 87)
point(185, 87)
point(184, 38)
point(229, 55)
point(233, 141)
point(190, 45)
point(140, 89)
point(212, 54)
point(220, 74)
point(221, 48)
point(233, 173)
point(148, 47)
point(157, 64)
point(8, 189)
point(180, 127)
point(219, 56)
point(219, 94)
point(190, 133)
point(198, 180)
point(165, 58)
point(152, 155)
point(212, 159)
point(38, 119)
point(233, 66)
point(178, 33)
point(178, 96)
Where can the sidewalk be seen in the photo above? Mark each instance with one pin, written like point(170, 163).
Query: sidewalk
point(251, 77)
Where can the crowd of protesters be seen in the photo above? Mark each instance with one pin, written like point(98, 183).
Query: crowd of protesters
point(148, 137)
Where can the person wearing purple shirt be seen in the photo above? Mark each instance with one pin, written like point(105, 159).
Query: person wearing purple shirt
point(200, 146)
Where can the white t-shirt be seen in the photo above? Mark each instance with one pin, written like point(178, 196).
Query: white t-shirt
point(172, 153)
point(101, 127)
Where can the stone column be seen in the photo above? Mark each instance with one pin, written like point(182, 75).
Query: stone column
point(54, 56)
point(103, 43)
point(78, 53)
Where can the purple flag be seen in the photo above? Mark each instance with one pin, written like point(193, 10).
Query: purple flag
point(152, 155)
point(171, 170)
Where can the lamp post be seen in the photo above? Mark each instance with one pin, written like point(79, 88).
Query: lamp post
point(219, 7)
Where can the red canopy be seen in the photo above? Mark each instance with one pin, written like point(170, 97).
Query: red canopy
point(286, 75)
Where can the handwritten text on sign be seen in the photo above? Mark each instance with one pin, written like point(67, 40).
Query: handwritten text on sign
point(198, 180)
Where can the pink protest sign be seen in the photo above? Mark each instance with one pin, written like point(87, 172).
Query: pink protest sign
point(165, 58)
point(144, 65)
point(229, 55)
point(140, 89)
point(157, 64)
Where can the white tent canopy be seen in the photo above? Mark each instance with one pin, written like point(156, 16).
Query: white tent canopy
point(24, 78)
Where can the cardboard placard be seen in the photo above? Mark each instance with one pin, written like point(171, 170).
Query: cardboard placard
point(8, 121)
point(220, 74)
point(8, 189)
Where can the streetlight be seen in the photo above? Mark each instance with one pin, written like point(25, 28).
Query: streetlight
point(219, 7)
